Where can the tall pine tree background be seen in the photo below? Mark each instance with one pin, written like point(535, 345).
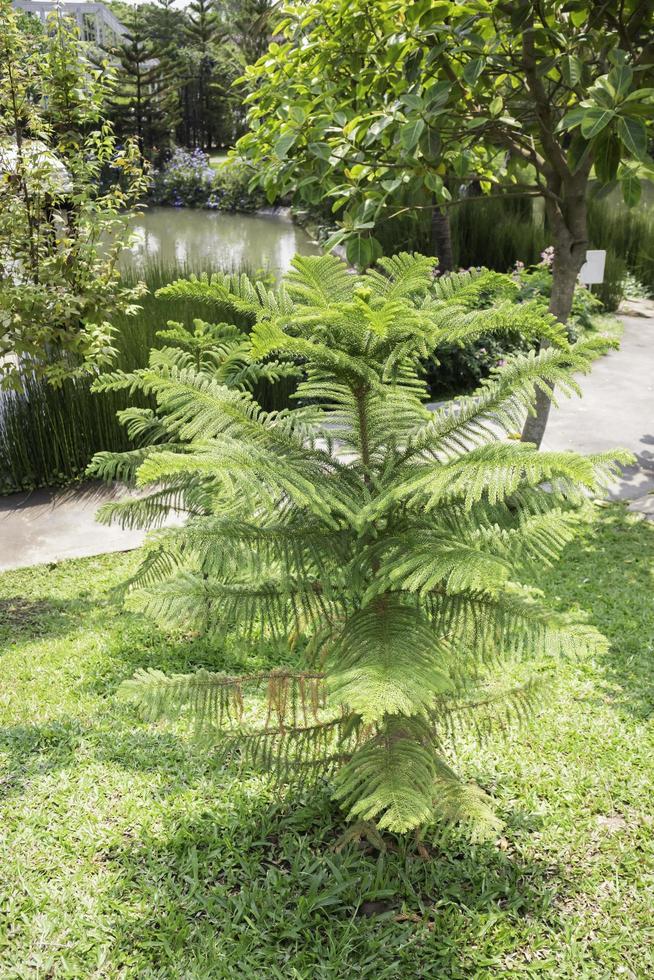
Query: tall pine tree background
point(176, 68)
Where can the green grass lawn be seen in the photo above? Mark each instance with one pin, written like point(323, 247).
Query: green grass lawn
point(124, 852)
point(216, 160)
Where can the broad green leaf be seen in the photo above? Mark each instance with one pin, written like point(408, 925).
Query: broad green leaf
point(617, 57)
point(594, 121)
point(430, 143)
point(633, 135)
point(631, 190)
point(434, 182)
point(412, 65)
point(571, 69)
point(473, 70)
point(284, 143)
point(603, 94)
point(271, 190)
point(377, 250)
point(298, 114)
point(377, 128)
point(334, 240)
point(640, 95)
point(620, 79)
point(607, 158)
point(413, 102)
point(411, 133)
point(321, 150)
point(438, 95)
point(360, 251)
point(572, 118)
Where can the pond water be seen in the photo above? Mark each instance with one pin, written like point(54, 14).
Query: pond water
point(213, 240)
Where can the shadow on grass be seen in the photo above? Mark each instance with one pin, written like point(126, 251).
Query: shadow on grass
point(608, 572)
point(257, 888)
point(28, 749)
point(22, 618)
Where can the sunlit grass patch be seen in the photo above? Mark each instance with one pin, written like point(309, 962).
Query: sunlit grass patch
point(125, 851)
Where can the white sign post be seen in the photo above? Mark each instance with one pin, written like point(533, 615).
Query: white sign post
point(592, 271)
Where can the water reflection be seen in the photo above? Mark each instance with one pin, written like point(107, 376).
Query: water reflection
point(215, 240)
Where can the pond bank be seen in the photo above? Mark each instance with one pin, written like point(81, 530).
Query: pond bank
point(200, 239)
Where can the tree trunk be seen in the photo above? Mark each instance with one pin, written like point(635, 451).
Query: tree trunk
point(569, 226)
point(441, 239)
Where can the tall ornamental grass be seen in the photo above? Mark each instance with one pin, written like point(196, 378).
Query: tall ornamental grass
point(48, 435)
point(498, 231)
point(627, 234)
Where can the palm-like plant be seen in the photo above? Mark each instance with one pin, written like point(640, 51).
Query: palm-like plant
point(379, 537)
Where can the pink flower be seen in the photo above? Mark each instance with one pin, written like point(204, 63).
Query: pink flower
point(547, 256)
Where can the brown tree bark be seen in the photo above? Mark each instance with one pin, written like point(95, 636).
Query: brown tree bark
point(441, 239)
point(568, 223)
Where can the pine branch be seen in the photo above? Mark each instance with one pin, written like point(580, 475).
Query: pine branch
point(371, 540)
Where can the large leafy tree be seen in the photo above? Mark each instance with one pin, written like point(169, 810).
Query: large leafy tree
point(334, 120)
point(387, 107)
point(563, 87)
point(381, 542)
point(61, 230)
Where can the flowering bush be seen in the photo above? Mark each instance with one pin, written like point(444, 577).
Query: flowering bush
point(185, 181)
point(188, 180)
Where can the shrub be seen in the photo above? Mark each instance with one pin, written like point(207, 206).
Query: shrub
point(61, 230)
point(381, 542)
point(189, 180)
point(457, 368)
point(231, 189)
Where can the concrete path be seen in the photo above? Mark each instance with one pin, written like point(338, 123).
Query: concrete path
point(47, 526)
point(617, 410)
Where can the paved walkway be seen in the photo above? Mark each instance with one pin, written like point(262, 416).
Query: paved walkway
point(617, 410)
point(50, 525)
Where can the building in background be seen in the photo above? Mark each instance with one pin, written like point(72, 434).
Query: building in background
point(97, 25)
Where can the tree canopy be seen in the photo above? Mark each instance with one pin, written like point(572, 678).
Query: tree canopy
point(378, 108)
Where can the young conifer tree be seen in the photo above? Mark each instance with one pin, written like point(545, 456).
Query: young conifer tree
point(382, 540)
point(219, 353)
